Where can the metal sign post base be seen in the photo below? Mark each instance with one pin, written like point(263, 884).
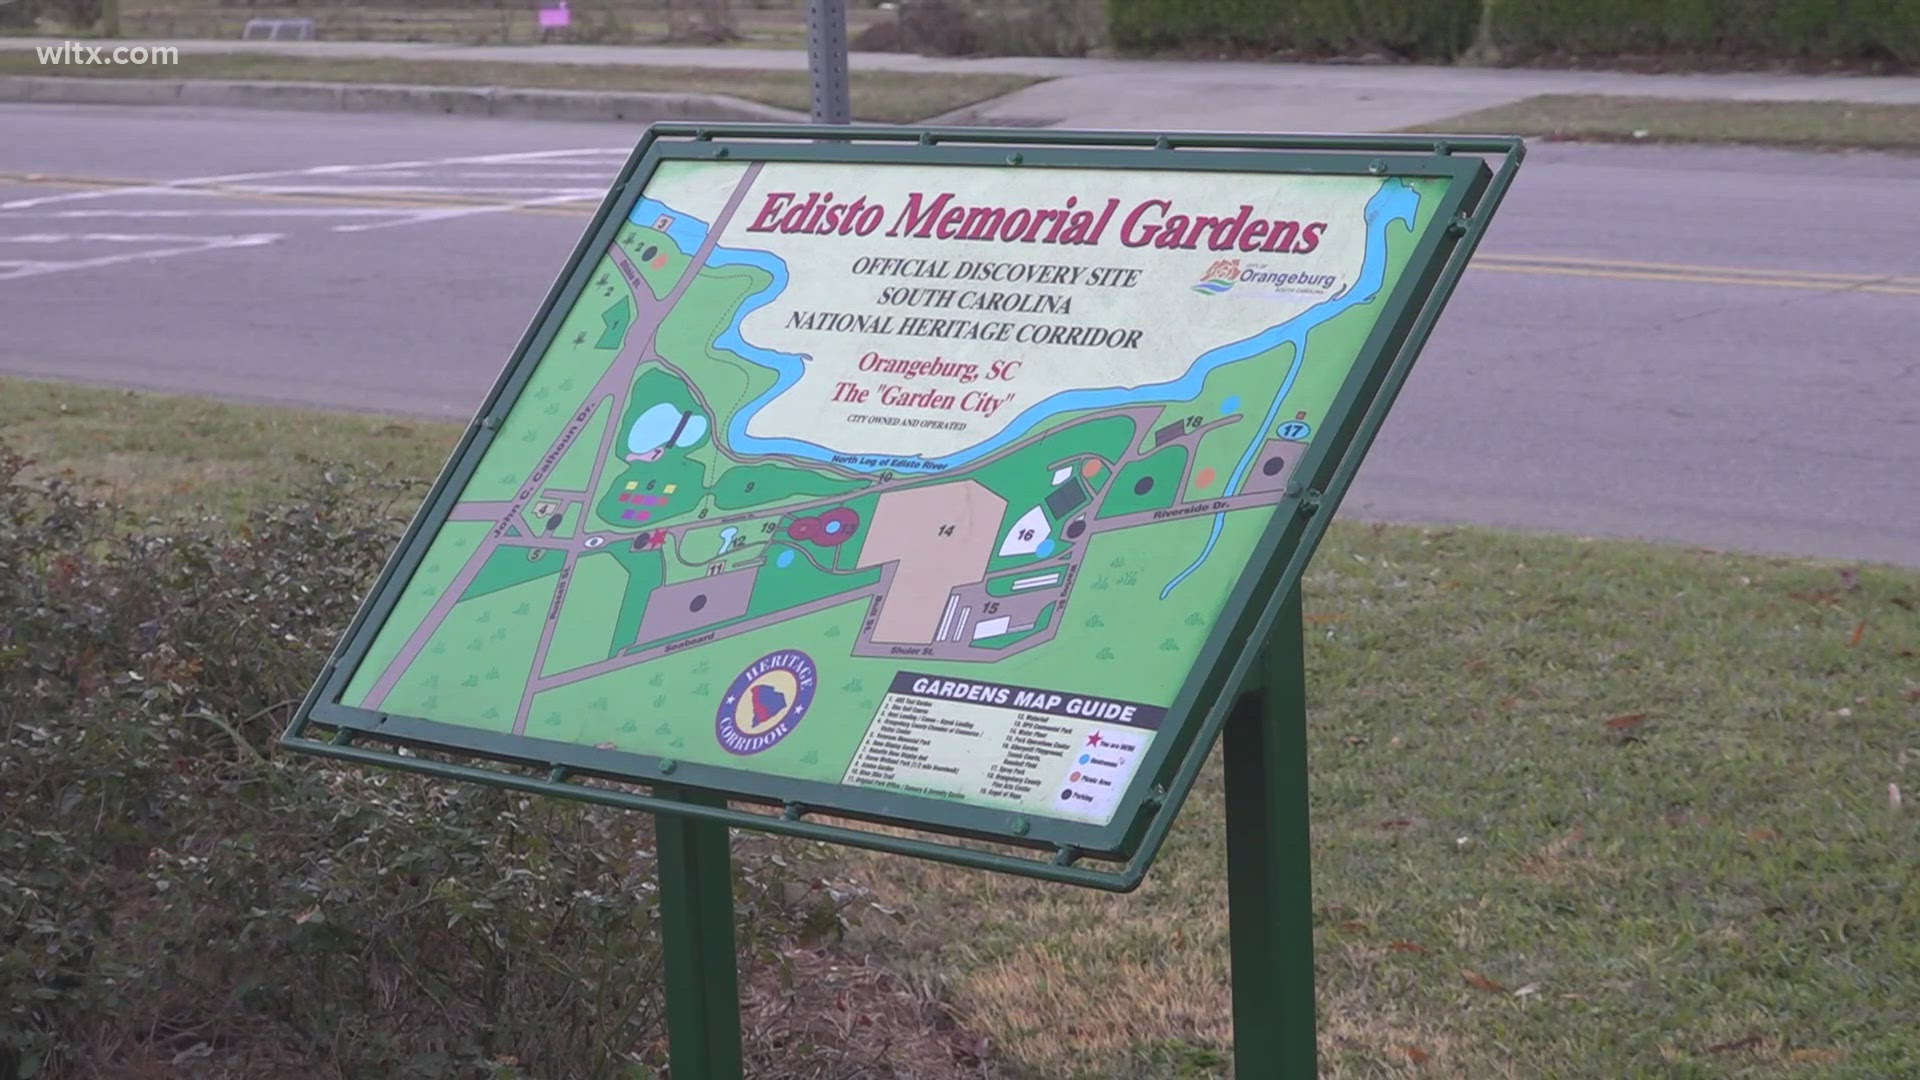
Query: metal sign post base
point(696, 930)
point(1269, 894)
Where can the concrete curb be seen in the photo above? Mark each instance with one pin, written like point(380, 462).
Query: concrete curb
point(635, 107)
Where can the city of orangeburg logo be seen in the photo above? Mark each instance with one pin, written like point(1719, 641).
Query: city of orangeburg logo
point(1263, 279)
point(1219, 277)
point(766, 702)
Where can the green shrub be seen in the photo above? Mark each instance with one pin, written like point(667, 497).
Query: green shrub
point(1818, 30)
point(1151, 25)
point(1041, 27)
point(177, 900)
point(1899, 23)
point(73, 14)
point(15, 14)
point(1415, 29)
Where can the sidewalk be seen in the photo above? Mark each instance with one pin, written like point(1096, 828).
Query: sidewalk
point(1179, 94)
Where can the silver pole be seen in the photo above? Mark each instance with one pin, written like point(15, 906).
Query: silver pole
point(827, 58)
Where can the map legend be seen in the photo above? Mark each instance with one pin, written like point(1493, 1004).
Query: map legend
point(1016, 746)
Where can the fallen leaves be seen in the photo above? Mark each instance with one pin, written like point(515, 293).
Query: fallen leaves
point(1818, 598)
point(1624, 723)
point(1745, 1042)
point(1563, 859)
point(1560, 846)
point(1415, 1054)
point(1859, 631)
point(1481, 982)
point(1408, 947)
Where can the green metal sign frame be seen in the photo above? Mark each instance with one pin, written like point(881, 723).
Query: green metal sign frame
point(1478, 169)
point(1248, 682)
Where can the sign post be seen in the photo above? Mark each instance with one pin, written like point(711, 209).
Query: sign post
point(696, 932)
point(954, 481)
point(827, 60)
point(1269, 893)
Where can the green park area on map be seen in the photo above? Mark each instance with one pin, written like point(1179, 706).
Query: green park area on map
point(638, 564)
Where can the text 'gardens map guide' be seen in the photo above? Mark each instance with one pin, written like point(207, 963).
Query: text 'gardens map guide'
point(911, 478)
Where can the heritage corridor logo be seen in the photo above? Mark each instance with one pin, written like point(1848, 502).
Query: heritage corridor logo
point(766, 702)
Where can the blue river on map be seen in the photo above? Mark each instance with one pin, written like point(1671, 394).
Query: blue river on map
point(1393, 202)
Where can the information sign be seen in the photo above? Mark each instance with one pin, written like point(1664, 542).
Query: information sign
point(922, 478)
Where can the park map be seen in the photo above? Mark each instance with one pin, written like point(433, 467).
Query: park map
point(915, 478)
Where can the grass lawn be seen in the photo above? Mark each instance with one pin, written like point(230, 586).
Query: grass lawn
point(158, 453)
point(1604, 117)
point(1580, 807)
point(896, 96)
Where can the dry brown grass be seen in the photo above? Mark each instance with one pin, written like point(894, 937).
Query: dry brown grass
point(830, 1014)
point(1566, 860)
point(1063, 977)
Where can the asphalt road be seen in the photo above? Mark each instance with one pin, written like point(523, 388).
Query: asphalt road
point(1713, 346)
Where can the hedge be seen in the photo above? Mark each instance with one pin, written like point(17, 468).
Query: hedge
point(1415, 29)
point(1817, 30)
point(1777, 29)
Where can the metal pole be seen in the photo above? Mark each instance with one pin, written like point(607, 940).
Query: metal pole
point(1269, 894)
point(827, 58)
point(696, 927)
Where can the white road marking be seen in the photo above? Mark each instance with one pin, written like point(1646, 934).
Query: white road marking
point(600, 178)
point(421, 217)
point(544, 178)
point(100, 238)
point(174, 186)
point(398, 189)
point(165, 187)
point(200, 244)
point(575, 177)
point(262, 211)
